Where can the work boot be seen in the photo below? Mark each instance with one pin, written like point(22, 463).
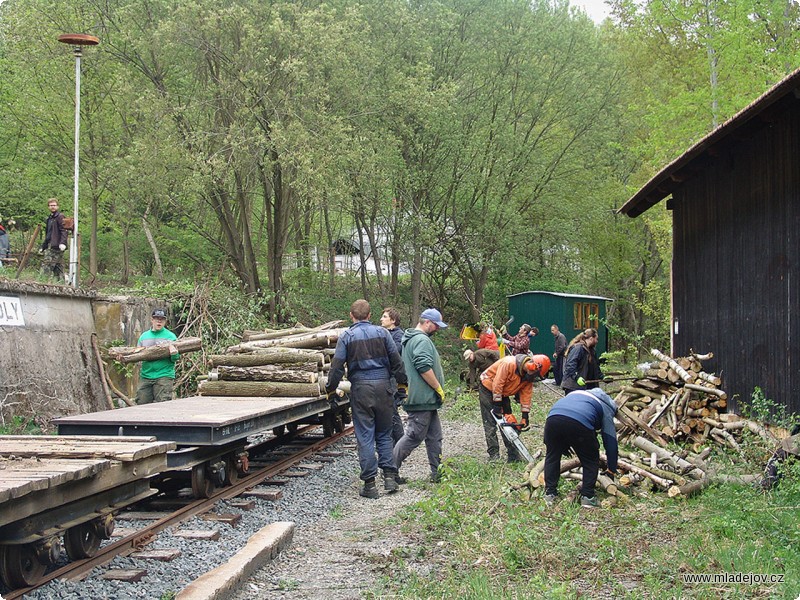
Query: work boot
point(550, 500)
point(390, 482)
point(436, 477)
point(587, 502)
point(369, 490)
point(494, 458)
point(400, 479)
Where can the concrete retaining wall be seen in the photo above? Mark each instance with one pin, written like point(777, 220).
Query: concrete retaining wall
point(48, 366)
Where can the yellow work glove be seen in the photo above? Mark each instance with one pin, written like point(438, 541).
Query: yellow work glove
point(440, 393)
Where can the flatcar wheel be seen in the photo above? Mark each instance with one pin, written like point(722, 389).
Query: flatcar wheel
point(82, 541)
point(231, 471)
point(338, 424)
point(292, 428)
point(279, 430)
point(202, 486)
point(20, 565)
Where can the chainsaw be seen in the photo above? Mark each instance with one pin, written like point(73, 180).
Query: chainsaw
point(510, 431)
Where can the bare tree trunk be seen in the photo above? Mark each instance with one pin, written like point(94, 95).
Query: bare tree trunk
point(361, 256)
point(331, 250)
point(126, 255)
point(152, 242)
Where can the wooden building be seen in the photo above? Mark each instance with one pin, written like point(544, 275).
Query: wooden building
point(735, 202)
point(571, 312)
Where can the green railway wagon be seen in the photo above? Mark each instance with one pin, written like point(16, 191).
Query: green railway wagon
point(571, 312)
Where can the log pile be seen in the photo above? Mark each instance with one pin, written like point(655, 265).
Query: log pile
point(678, 401)
point(284, 363)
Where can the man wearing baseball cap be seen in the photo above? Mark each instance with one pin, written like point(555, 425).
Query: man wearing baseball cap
point(425, 393)
point(157, 377)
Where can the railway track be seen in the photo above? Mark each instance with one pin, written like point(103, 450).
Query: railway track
point(79, 569)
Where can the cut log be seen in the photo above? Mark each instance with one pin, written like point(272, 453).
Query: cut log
point(127, 354)
point(659, 481)
point(318, 339)
point(274, 357)
point(668, 457)
point(707, 390)
point(275, 334)
point(712, 379)
point(264, 374)
point(635, 423)
point(673, 365)
point(258, 388)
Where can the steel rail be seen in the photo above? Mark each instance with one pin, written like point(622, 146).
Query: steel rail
point(76, 570)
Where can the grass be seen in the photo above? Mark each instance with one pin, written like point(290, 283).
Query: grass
point(640, 550)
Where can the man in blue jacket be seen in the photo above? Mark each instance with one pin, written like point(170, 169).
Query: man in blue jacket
point(372, 359)
point(571, 425)
point(425, 394)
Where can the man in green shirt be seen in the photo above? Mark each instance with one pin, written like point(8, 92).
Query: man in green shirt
point(157, 376)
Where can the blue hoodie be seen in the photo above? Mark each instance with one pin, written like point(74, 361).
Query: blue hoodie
point(595, 410)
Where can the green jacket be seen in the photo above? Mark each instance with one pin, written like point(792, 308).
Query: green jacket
point(163, 367)
point(420, 355)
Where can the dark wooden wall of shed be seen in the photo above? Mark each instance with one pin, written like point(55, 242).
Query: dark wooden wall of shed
point(736, 281)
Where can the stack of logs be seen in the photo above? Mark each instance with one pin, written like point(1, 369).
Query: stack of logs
point(287, 363)
point(676, 401)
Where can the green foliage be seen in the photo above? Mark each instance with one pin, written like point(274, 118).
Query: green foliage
point(20, 426)
point(763, 409)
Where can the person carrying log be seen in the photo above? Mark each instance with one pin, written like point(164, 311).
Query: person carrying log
point(570, 426)
point(372, 359)
point(581, 365)
point(509, 376)
point(157, 377)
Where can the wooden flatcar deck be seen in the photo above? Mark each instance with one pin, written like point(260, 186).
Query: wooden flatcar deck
point(196, 421)
point(46, 473)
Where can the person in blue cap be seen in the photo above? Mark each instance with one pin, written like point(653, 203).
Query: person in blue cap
point(425, 393)
point(572, 425)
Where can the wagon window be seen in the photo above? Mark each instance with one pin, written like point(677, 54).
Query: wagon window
point(586, 315)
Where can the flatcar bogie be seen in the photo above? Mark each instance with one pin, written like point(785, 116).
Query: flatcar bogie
point(22, 565)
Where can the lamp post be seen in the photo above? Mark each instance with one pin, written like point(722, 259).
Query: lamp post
point(77, 41)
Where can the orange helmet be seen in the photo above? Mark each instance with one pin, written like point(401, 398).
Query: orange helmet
point(538, 364)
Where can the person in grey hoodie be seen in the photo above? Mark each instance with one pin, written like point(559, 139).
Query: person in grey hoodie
point(425, 393)
point(571, 425)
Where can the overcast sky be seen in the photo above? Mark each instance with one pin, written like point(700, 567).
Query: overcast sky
point(596, 9)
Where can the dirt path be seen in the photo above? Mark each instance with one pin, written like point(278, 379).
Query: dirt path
point(346, 554)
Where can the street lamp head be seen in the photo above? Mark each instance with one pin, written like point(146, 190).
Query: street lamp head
point(78, 39)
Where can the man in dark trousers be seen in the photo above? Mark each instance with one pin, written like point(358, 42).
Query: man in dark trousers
point(571, 425)
point(425, 394)
point(390, 320)
point(560, 352)
point(55, 242)
point(372, 359)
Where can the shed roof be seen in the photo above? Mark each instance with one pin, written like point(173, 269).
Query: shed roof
point(680, 169)
point(561, 294)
